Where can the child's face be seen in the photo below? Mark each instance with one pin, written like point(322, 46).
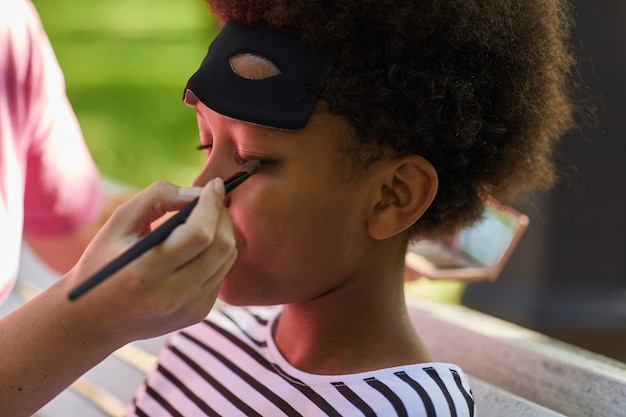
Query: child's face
point(301, 221)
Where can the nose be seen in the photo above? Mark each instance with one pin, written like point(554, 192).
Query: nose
point(208, 172)
point(213, 168)
point(204, 176)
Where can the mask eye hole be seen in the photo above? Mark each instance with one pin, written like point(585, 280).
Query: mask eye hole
point(253, 67)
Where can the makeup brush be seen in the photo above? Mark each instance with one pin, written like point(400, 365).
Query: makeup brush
point(159, 234)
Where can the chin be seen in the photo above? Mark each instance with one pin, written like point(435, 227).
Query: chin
point(246, 285)
point(239, 291)
point(245, 300)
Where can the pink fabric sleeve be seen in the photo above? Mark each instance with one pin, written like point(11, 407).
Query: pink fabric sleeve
point(63, 187)
point(49, 185)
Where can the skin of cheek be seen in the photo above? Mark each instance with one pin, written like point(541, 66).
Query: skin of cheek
point(292, 243)
point(293, 218)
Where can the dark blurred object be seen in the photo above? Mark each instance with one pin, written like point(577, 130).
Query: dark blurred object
point(567, 277)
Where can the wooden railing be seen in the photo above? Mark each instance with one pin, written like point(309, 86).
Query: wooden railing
point(517, 372)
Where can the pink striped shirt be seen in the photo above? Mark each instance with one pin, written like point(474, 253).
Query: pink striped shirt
point(228, 365)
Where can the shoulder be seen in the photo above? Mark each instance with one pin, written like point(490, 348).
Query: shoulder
point(27, 61)
point(440, 389)
point(17, 18)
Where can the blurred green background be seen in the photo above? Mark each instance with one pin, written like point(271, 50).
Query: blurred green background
point(126, 63)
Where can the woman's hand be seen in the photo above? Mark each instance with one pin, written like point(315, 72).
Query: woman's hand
point(50, 341)
point(170, 286)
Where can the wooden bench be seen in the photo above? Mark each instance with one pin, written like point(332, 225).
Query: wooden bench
point(518, 372)
point(514, 372)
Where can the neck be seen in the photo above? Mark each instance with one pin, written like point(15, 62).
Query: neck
point(356, 328)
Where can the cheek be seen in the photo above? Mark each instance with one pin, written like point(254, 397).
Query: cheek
point(286, 250)
point(301, 219)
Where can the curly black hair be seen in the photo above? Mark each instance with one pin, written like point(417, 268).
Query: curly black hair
point(480, 88)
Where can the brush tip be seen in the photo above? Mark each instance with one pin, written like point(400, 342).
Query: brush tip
point(251, 167)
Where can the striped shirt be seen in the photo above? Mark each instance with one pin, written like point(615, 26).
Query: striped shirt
point(228, 365)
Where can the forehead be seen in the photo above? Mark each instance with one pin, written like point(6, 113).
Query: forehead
point(283, 99)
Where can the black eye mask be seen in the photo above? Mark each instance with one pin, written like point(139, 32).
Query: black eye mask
point(284, 101)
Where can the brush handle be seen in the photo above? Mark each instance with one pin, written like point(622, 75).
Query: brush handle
point(149, 241)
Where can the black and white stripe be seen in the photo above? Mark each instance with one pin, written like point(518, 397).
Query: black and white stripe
point(229, 366)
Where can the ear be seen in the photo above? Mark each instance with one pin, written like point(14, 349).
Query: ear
point(407, 188)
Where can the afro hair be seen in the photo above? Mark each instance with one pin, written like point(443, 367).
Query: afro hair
point(480, 88)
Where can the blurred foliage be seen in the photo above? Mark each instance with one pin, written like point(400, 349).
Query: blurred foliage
point(444, 291)
point(126, 63)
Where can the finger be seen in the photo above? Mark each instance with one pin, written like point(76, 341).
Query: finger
point(208, 264)
point(198, 284)
point(212, 286)
point(135, 215)
point(197, 234)
point(199, 279)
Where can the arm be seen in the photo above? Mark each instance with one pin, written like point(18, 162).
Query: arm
point(61, 252)
point(49, 342)
point(63, 198)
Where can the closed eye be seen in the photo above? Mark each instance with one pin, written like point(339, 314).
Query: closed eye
point(204, 146)
point(237, 157)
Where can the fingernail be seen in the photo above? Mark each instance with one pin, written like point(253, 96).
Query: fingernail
point(218, 186)
point(189, 192)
